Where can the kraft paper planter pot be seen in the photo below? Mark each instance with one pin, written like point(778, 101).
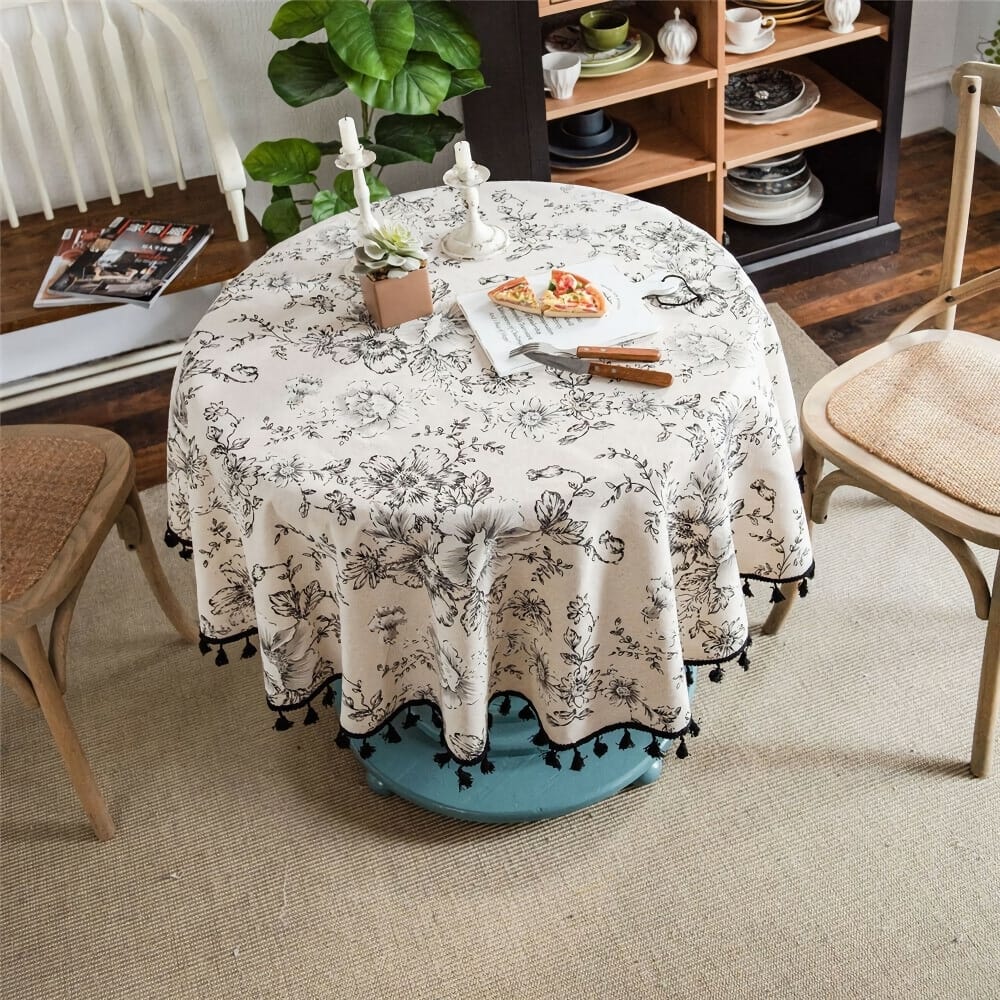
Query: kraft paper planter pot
point(392, 301)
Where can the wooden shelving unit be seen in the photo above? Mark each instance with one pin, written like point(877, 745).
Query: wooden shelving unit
point(685, 143)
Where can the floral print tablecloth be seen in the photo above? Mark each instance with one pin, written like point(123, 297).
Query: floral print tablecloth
point(380, 506)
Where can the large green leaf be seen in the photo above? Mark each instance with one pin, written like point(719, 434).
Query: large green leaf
point(299, 18)
point(465, 81)
point(280, 220)
point(327, 203)
point(303, 74)
point(343, 185)
point(417, 89)
point(372, 41)
point(287, 161)
point(399, 138)
point(439, 28)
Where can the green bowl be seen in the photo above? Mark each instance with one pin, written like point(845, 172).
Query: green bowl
point(604, 29)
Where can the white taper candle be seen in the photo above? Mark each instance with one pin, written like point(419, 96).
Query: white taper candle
point(348, 136)
point(463, 157)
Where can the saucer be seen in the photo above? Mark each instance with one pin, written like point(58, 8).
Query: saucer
point(802, 105)
point(763, 41)
point(569, 39)
point(621, 135)
point(588, 163)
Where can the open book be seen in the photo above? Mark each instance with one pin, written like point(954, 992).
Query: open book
point(499, 330)
point(130, 260)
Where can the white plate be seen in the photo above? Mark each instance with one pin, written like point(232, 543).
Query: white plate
point(777, 215)
point(763, 41)
point(799, 107)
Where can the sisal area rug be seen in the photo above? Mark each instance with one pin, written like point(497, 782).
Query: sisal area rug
point(827, 843)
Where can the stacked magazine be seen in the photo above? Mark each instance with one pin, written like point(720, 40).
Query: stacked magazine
point(130, 260)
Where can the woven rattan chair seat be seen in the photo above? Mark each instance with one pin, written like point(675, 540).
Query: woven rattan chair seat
point(933, 411)
point(45, 485)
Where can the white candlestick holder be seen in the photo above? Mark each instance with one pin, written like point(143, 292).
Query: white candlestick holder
point(474, 239)
point(357, 162)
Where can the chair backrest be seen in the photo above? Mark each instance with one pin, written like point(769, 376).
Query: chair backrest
point(77, 75)
point(977, 87)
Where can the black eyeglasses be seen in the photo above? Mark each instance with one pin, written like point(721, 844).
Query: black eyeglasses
point(675, 292)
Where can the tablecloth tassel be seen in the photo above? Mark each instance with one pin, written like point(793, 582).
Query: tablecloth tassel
point(600, 747)
point(390, 735)
point(436, 718)
point(552, 759)
point(281, 723)
point(776, 595)
point(366, 749)
point(625, 743)
point(204, 646)
point(464, 779)
point(487, 766)
point(248, 650)
point(578, 760)
point(171, 539)
point(744, 660)
point(747, 592)
point(489, 720)
point(693, 728)
point(442, 758)
point(411, 719)
point(221, 659)
point(527, 713)
point(801, 477)
point(803, 587)
point(682, 750)
point(342, 739)
point(540, 739)
point(328, 698)
point(505, 705)
point(716, 674)
point(688, 675)
point(312, 717)
point(654, 749)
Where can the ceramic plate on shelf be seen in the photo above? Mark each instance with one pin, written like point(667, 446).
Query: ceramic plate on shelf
point(632, 62)
point(759, 91)
point(576, 163)
point(569, 38)
point(804, 104)
point(779, 214)
point(763, 41)
point(561, 147)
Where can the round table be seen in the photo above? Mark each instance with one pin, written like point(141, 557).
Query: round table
point(416, 540)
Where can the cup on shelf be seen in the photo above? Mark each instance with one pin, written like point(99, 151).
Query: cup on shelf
point(604, 29)
point(744, 25)
point(560, 71)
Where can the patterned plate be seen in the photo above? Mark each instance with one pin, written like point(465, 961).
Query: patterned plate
point(569, 39)
point(756, 91)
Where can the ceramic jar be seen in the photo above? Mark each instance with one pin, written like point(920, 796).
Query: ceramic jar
point(677, 39)
point(842, 14)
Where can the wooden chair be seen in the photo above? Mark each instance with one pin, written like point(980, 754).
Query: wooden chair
point(916, 420)
point(80, 81)
point(62, 488)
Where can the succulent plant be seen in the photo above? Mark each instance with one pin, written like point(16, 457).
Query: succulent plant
point(390, 251)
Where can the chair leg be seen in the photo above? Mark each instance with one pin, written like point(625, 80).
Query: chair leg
point(50, 700)
point(988, 705)
point(134, 531)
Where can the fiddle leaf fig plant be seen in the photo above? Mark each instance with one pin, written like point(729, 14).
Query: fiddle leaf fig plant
point(400, 58)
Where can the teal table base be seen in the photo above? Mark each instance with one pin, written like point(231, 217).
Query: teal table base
point(521, 788)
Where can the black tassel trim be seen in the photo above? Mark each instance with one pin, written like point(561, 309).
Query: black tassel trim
point(328, 698)
point(682, 750)
point(803, 587)
point(464, 779)
point(600, 747)
point(526, 714)
point(171, 539)
point(248, 650)
point(776, 595)
point(342, 740)
point(505, 705)
point(801, 477)
point(747, 592)
point(693, 728)
point(489, 720)
point(204, 646)
point(281, 723)
point(716, 674)
point(442, 758)
point(625, 743)
point(552, 759)
point(366, 749)
point(311, 717)
point(654, 749)
point(688, 675)
point(744, 660)
point(578, 760)
point(540, 739)
point(220, 658)
point(411, 719)
point(487, 766)
point(436, 718)
point(390, 735)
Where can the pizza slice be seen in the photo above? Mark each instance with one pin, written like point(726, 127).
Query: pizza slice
point(571, 294)
point(516, 294)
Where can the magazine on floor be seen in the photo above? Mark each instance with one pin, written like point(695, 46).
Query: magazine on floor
point(130, 260)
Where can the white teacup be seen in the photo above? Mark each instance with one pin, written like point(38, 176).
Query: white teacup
point(560, 71)
point(744, 25)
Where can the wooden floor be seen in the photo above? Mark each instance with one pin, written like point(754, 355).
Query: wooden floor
point(845, 312)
